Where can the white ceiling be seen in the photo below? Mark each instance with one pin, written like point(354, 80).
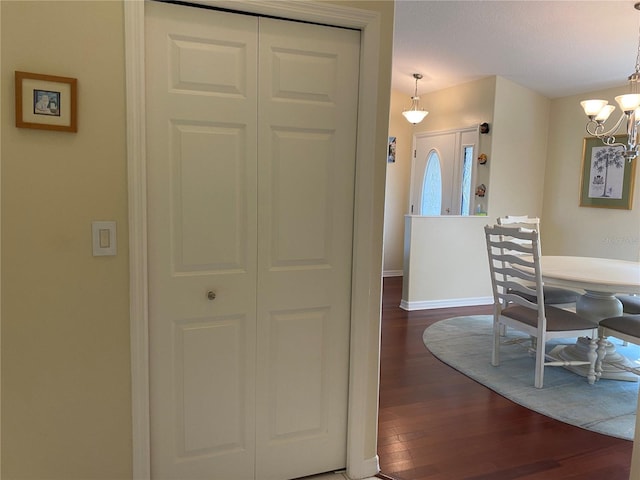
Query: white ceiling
point(557, 48)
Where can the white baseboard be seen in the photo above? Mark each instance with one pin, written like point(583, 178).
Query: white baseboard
point(449, 302)
point(393, 273)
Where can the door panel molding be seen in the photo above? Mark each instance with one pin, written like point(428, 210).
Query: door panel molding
point(362, 460)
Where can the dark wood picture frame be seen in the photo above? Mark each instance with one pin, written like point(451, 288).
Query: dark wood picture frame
point(46, 102)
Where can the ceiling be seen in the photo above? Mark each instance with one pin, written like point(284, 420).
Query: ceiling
point(557, 48)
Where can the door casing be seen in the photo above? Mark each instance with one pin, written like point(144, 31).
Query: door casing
point(362, 460)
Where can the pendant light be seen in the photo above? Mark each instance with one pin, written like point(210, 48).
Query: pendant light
point(415, 114)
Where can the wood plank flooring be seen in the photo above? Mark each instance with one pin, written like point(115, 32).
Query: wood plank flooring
point(437, 424)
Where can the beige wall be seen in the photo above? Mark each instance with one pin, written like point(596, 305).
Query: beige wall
point(516, 151)
point(457, 107)
point(461, 106)
point(66, 395)
point(567, 228)
point(397, 193)
point(66, 402)
point(519, 150)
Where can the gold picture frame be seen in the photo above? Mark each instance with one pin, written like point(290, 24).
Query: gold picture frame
point(46, 102)
point(607, 178)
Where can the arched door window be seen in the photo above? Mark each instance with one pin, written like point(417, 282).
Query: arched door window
point(432, 186)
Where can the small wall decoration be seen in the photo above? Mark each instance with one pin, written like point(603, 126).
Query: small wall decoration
point(482, 158)
point(484, 128)
point(481, 190)
point(607, 177)
point(46, 102)
point(391, 150)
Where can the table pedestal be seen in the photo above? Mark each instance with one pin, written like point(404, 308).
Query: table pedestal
point(596, 306)
point(579, 352)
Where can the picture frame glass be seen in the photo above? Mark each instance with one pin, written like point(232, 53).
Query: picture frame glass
point(56, 111)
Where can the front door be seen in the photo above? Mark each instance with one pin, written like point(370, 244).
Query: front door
point(439, 149)
point(251, 129)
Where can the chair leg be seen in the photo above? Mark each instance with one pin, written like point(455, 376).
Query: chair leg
point(540, 358)
point(495, 352)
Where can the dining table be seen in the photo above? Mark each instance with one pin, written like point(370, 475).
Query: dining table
point(598, 280)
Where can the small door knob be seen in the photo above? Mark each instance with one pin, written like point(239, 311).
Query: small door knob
point(211, 295)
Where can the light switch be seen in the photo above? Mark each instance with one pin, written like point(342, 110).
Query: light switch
point(103, 238)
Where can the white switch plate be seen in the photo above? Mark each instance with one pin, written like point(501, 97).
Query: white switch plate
point(103, 238)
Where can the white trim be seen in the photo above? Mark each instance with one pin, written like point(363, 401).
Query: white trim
point(366, 273)
point(0, 264)
point(138, 288)
point(450, 302)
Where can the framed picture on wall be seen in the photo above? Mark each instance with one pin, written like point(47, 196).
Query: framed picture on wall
point(607, 177)
point(391, 150)
point(46, 102)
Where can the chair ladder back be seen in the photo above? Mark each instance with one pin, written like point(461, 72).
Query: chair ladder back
point(515, 272)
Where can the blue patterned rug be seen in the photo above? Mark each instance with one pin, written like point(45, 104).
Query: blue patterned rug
point(607, 407)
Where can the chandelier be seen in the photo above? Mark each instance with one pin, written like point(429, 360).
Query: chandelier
point(598, 111)
point(415, 114)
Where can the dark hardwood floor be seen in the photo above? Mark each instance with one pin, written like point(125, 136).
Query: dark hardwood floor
point(437, 424)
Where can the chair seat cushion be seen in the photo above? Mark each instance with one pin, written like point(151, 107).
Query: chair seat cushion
point(630, 303)
point(627, 324)
point(552, 295)
point(557, 318)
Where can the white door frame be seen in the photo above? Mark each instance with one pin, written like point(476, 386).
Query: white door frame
point(365, 302)
point(0, 265)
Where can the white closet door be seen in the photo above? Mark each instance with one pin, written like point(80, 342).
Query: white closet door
point(306, 169)
point(201, 141)
point(250, 197)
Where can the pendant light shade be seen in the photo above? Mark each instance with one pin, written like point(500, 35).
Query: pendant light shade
point(415, 114)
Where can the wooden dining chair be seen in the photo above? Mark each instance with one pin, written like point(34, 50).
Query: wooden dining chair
point(516, 280)
point(557, 296)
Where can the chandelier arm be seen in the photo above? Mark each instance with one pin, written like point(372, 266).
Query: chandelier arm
point(597, 129)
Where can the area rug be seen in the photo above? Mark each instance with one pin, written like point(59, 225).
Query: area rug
point(607, 407)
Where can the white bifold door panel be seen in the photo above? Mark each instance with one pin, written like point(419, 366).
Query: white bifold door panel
point(251, 133)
